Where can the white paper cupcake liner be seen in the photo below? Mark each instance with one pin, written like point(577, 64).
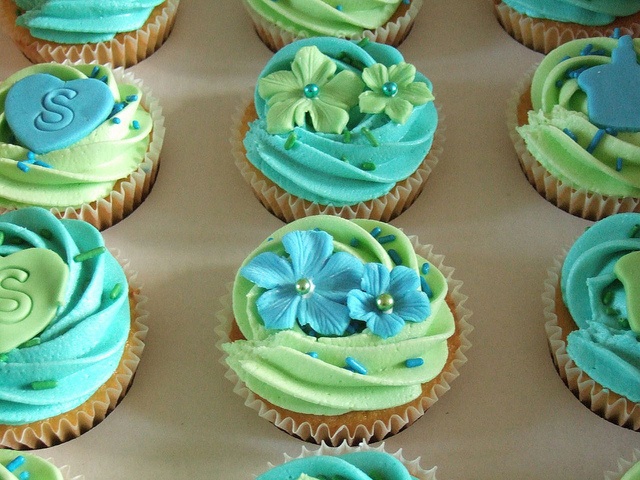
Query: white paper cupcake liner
point(288, 207)
point(392, 33)
point(124, 50)
point(69, 425)
point(381, 428)
point(598, 399)
point(578, 202)
point(623, 466)
point(130, 192)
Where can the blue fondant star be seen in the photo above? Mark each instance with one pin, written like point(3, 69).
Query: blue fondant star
point(613, 90)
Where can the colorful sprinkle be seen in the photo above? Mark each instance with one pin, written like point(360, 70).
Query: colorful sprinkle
point(104, 79)
point(571, 135)
point(375, 232)
point(3, 357)
point(89, 254)
point(559, 83)
point(607, 297)
point(117, 288)
point(132, 98)
point(313, 354)
point(44, 385)
point(40, 163)
point(414, 362)
point(368, 166)
point(116, 120)
point(634, 231)
point(616, 33)
point(46, 234)
point(23, 166)
point(16, 463)
point(425, 287)
point(346, 135)
point(618, 164)
point(372, 139)
point(611, 131)
point(386, 239)
point(354, 242)
point(339, 8)
point(395, 256)
point(595, 140)
point(95, 71)
point(291, 141)
point(135, 125)
point(344, 158)
point(623, 322)
point(364, 42)
point(425, 268)
point(356, 366)
point(576, 73)
point(31, 343)
point(587, 49)
point(612, 311)
point(24, 476)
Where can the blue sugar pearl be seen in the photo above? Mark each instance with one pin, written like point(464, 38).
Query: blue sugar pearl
point(311, 90)
point(390, 89)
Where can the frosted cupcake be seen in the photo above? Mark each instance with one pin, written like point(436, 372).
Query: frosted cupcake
point(21, 466)
point(71, 342)
point(80, 140)
point(119, 32)
point(575, 127)
point(543, 25)
point(343, 330)
point(340, 128)
point(283, 22)
point(593, 319)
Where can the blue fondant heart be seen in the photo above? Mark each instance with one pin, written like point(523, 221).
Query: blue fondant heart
point(46, 113)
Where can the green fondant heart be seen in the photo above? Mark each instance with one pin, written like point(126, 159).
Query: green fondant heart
point(627, 269)
point(32, 286)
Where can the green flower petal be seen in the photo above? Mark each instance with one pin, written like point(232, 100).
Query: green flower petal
point(416, 93)
point(375, 76)
point(310, 65)
point(279, 82)
point(281, 115)
point(327, 118)
point(372, 102)
point(402, 73)
point(342, 90)
point(398, 110)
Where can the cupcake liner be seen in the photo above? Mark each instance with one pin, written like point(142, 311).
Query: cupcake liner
point(544, 35)
point(605, 403)
point(124, 50)
point(128, 193)
point(413, 466)
point(288, 207)
point(66, 426)
point(392, 33)
point(578, 202)
point(623, 466)
point(333, 430)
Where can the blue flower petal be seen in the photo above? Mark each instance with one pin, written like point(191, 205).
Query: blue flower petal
point(362, 305)
point(279, 307)
point(375, 279)
point(402, 280)
point(413, 306)
point(340, 275)
point(324, 315)
point(268, 270)
point(309, 250)
point(386, 325)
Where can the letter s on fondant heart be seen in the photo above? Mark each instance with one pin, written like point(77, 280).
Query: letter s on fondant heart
point(32, 287)
point(46, 113)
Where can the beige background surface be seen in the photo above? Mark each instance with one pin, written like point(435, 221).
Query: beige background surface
point(507, 416)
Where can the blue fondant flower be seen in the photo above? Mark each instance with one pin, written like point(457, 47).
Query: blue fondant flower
point(310, 286)
point(387, 300)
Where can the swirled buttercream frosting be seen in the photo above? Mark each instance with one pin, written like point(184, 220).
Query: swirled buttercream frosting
point(64, 314)
point(67, 135)
point(600, 284)
point(326, 18)
point(338, 122)
point(19, 466)
point(338, 316)
point(583, 12)
point(584, 127)
point(82, 21)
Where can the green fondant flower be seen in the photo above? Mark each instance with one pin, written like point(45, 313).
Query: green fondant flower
point(310, 87)
point(393, 91)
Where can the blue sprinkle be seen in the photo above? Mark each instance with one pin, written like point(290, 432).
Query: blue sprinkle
point(136, 125)
point(576, 73)
point(24, 476)
point(425, 268)
point(618, 164)
point(571, 134)
point(395, 256)
point(611, 131)
point(599, 52)
point(40, 163)
point(31, 156)
point(375, 232)
point(414, 362)
point(355, 366)
point(616, 33)
point(559, 83)
point(23, 166)
point(104, 79)
point(95, 71)
point(132, 98)
point(406, 2)
point(270, 239)
point(313, 354)
point(15, 463)
point(354, 242)
point(339, 7)
point(425, 287)
point(566, 57)
point(118, 107)
point(116, 120)
point(386, 239)
point(587, 49)
point(596, 140)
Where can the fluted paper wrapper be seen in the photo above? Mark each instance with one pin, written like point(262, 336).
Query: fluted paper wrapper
point(544, 35)
point(128, 193)
point(391, 33)
point(578, 202)
point(124, 50)
point(333, 430)
point(607, 404)
point(623, 466)
point(413, 466)
point(61, 428)
point(289, 207)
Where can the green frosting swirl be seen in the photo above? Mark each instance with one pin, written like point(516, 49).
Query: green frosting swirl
point(86, 170)
point(276, 365)
point(633, 473)
point(559, 133)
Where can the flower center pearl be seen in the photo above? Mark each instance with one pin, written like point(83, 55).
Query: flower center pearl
point(311, 90)
point(390, 89)
point(304, 286)
point(384, 302)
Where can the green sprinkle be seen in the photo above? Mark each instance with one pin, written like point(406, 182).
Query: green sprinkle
point(372, 139)
point(31, 343)
point(291, 140)
point(94, 252)
point(612, 311)
point(634, 231)
point(44, 385)
point(364, 42)
point(344, 158)
point(1, 238)
point(4, 357)
point(117, 288)
point(46, 234)
point(623, 322)
point(346, 136)
point(368, 166)
point(607, 297)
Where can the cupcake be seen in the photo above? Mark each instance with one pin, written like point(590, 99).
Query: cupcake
point(20, 466)
point(80, 140)
point(543, 25)
point(627, 469)
point(592, 310)
point(349, 463)
point(283, 22)
point(338, 128)
point(70, 329)
point(343, 330)
point(119, 32)
point(575, 127)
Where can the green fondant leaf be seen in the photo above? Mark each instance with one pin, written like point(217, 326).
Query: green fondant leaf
point(310, 65)
point(282, 82)
point(398, 110)
point(328, 118)
point(402, 74)
point(416, 93)
point(280, 116)
point(372, 102)
point(342, 90)
point(375, 76)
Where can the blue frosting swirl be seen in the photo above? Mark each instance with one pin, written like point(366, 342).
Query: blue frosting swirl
point(583, 12)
